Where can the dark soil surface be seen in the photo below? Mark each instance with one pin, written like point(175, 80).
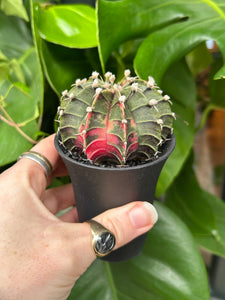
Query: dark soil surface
point(80, 157)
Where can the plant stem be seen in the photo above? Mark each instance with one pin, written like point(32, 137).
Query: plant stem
point(11, 122)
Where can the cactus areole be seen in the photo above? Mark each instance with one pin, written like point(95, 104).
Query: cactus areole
point(114, 123)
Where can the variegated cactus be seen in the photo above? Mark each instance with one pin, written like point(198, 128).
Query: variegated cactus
point(114, 122)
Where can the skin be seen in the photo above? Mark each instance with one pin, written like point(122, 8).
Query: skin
point(42, 256)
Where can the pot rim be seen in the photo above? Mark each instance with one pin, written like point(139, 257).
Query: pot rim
point(169, 149)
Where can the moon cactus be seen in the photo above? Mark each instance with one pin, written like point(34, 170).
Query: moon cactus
point(104, 121)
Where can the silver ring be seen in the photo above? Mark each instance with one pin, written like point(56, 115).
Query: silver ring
point(38, 158)
point(103, 240)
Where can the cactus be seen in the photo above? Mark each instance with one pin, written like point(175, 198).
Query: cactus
point(113, 122)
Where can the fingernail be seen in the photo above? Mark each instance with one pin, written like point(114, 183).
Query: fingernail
point(143, 215)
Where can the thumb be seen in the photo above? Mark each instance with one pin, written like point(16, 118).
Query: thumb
point(129, 221)
point(126, 223)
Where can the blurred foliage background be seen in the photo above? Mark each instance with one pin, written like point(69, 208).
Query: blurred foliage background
point(46, 45)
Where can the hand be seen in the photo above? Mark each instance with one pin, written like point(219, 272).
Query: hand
point(42, 256)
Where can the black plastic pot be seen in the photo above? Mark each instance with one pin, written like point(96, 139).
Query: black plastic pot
point(98, 189)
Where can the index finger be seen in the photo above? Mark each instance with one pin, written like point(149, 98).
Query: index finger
point(47, 149)
point(36, 172)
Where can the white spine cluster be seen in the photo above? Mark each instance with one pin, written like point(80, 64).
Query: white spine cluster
point(151, 82)
point(122, 98)
point(89, 109)
point(112, 78)
point(166, 97)
point(153, 102)
point(78, 82)
point(64, 93)
point(149, 97)
point(107, 75)
point(98, 91)
point(94, 75)
point(71, 96)
point(95, 83)
point(134, 87)
point(127, 73)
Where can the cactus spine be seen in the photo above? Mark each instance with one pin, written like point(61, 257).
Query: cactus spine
point(114, 122)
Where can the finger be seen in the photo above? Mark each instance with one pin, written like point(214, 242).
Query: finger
point(129, 221)
point(126, 223)
point(71, 216)
point(59, 198)
point(34, 172)
point(47, 149)
point(59, 171)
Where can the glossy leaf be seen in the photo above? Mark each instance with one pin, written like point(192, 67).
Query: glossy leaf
point(164, 270)
point(172, 29)
point(180, 85)
point(4, 70)
point(173, 46)
point(129, 19)
point(15, 38)
point(67, 25)
point(20, 93)
point(63, 65)
point(14, 8)
point(199, 59)
point(215, 243)
point(216, 92)
point(216, 87)
point(191, 204)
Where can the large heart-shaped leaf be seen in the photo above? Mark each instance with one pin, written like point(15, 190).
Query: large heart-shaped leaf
point(180, 85)
point(67, 25)
point(199, 59)
point(205, 20)
point(21, 93)
point(14, 8)
point(63, 65)
point(215, 243)
point(216, 87)
point(15, 38)
point(172, 30)
point(191, 204)
point(119, 21)
point(201, 211)
point(170, 267)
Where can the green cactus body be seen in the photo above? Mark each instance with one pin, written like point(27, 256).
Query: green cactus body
point(114, 122)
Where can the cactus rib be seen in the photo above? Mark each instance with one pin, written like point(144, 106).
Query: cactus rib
point(112, 122)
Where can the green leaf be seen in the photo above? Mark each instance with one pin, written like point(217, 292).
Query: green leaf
point(170, 267)
point(215, 243)
point(23, 105)
point(20, 101)
point(199, 59)
point(17, 70)
point(4, 70)
point(15, 38)
point(3, 57)
point(63, 65)
point(216, 92)
point(172, 29)
point(186, 199)
point(67, 25)
point(120, 21)
point(216, 87)
point(13, 144)
point(180, 85)
point(14, 8)
point(199, 21)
